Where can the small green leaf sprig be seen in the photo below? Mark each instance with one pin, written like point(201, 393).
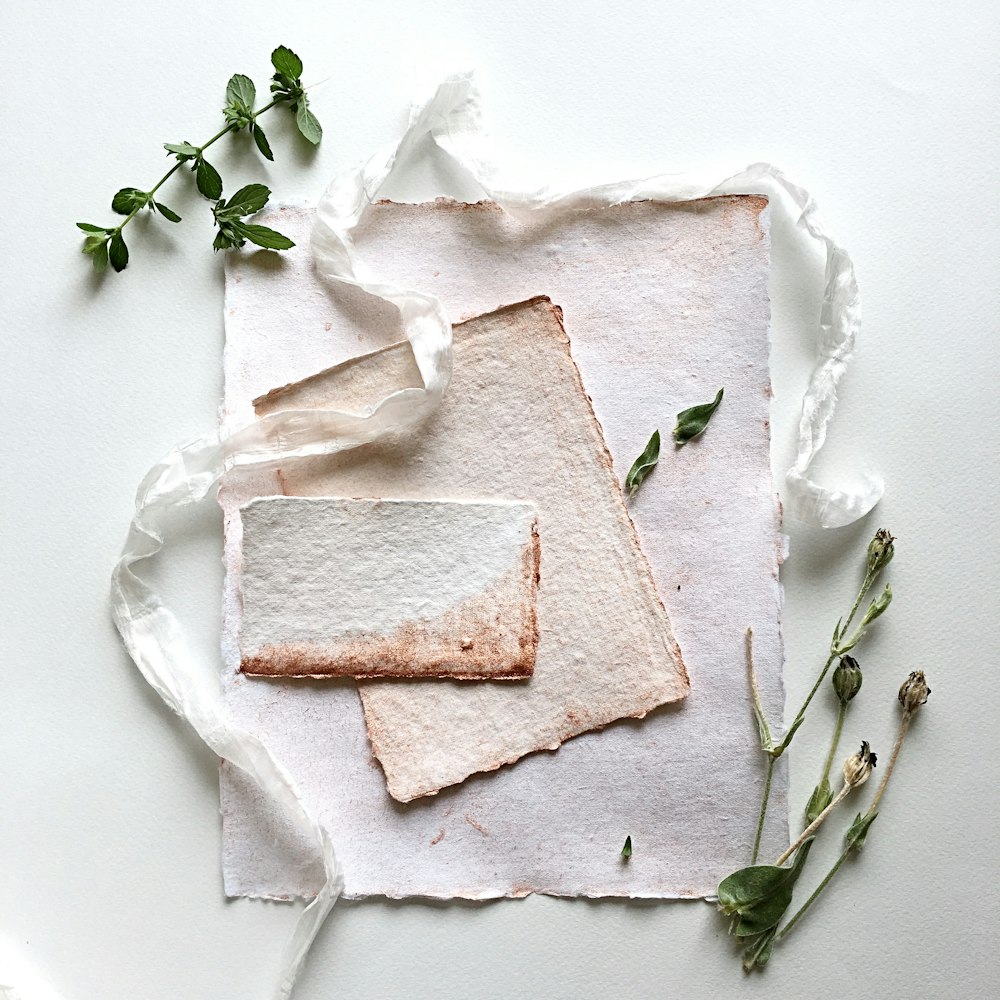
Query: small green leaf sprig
point(106, 245)
point(757, 897)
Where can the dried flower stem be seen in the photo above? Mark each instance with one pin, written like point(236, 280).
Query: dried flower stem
point(763, 809)
point(814, 825)
point(904, 725)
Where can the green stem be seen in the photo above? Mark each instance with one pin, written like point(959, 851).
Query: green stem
point(815, 894)
point(865, 587)
point(763, 809)
point(835, 742)
point(814, 825)
point(904, 725)
point(215, 138)
point(797, 721)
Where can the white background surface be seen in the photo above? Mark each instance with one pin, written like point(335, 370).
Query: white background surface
point(109, 832)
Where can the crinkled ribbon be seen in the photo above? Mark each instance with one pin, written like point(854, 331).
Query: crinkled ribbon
point(188, 474)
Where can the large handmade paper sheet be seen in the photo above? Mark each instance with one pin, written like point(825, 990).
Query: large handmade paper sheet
point(341, 587)
point(664, 304)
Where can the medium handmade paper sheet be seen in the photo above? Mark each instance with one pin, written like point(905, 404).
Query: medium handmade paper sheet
point(664, 304)
point(606, 649)
point(340, 587)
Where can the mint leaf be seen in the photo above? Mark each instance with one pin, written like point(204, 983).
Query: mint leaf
point(307, 122)
point(643, 465)
point(284, 60)
point(100, 258)
point(208, 180)
point(89, 227)
point(129, 200)
point(691, 422)
point(183, 150)
point(262, 143)
point(248, 200)
point(168, 213)
point(93, 243)
point(118, 253)
point(627, 849)
point(269, 239)
point(240, 91)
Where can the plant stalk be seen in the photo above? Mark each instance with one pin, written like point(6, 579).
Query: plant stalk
point(215, 138)
point(813, 826)
point(763, 809)
point(835, 742)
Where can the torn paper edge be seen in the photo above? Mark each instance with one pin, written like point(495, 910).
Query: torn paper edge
point(149, 630)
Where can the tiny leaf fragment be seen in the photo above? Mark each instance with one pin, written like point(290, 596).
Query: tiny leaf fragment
point(692, 421)
point(643, 465)
point(627, 849)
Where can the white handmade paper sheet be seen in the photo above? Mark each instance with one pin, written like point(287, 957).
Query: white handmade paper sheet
point(663, 305)
point(340, 587)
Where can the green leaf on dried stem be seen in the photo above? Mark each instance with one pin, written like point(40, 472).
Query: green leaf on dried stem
point(759, 895)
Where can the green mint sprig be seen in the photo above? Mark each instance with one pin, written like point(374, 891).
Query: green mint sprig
point(106, 245)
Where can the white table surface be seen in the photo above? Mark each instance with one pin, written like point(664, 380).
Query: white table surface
point(110, 886)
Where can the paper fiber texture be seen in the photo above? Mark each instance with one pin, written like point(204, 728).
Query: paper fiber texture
point(606, 648)
point(336, 587)
point(664, 304)
point(151, 632)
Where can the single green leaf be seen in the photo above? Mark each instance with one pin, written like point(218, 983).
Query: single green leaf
point(760, 894)
point(262, 143)
point(821, 797)
point(308, 124)
point(627, 849)
point(269, 239)
point(184, 150)
point(284, 60)
point(118, 253)
point(858, 831)
point(93, 243)
point(222, 241)
point(691, 422)
point(758, 953)
point(168, 213)
point(248, 200)
point(100, 258)
point(89, 227)
point(643, 465)
point(208, 180)
point(129, 200)
point(241, 91)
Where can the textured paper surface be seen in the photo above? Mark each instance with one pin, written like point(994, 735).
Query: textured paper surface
point(341, 587)
point(664, 304)
point(606, 649)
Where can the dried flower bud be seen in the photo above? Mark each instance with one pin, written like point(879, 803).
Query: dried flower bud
point(878, 606)
point(847, 678)
point(859, 766)
point(914, 691)
point(880, 551)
